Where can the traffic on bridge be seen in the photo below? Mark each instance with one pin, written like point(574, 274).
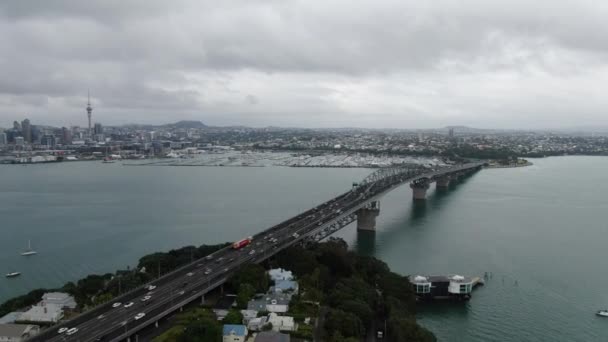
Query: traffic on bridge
point(126, 315)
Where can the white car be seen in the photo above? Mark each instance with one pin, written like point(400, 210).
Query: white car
point(101, 316)
point(117, 304)
point(207, 272)
point(71, 331)
point(252, 252)
point(62, 330)
point(190, 274)
point(151, 287)
point(181, 292)
point(128, 305)
point(139, 315)
point(146, 298)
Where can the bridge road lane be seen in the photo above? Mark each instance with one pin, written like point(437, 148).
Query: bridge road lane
point(306, 223)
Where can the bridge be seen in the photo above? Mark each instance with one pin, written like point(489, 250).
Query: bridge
point(192, 282)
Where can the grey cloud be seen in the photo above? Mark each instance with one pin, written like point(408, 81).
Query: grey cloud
point(382, 63)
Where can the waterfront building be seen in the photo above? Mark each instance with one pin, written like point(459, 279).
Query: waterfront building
point(17, 332)
point(19, 141)
point(48, 140)
point(49, 313)
point(234, 333)
point(3, 139)
point(26, 130)
point(62, 299)
point(66, 136)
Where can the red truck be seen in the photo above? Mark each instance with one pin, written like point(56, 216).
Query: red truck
point(242, 243)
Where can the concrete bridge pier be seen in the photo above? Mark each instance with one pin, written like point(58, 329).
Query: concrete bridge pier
point(203, 300)
point(419, 190)
point(366, 216)
point(443, 182)
point(156, 324)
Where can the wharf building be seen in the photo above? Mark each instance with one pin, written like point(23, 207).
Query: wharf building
point(443, 287)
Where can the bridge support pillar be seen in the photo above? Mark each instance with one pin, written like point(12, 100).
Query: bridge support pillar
point(366, 216)
point(419, 190)
point(156, 324)
point(203, 300)
point(129, 339)
point(443, 182)
point(181, 308)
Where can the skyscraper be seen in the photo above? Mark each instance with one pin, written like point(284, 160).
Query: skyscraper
point(26, 130)
point(3, 139)
point(89, 112)
point(66, 136)
point(98, 128)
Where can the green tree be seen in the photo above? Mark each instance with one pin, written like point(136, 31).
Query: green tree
point(253, 274)
point(246, 292)
point(233, 317)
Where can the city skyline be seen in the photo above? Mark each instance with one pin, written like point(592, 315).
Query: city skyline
point(507, 65)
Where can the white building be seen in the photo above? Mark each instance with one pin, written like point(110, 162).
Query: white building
point(281, 323)
point(17, 332)
point(277, 274)
point(49, 313)
point(248, 315)
point(64, 300)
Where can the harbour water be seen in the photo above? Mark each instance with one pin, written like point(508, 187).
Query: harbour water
point(540, 231)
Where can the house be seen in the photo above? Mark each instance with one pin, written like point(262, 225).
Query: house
point(271, 336)
point(271, 302)
point(223, 306)
point(280, 274)
point(285, 286)
point(50, 313)
point(281, 323)
point(17, 332)
point(257, 324)
point(248, 315)
point(234, 333)
point(64, 300)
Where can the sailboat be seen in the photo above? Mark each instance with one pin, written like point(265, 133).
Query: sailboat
point(13, 274)
point(29, 250)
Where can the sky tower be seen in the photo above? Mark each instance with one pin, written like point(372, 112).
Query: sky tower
point(89, 111)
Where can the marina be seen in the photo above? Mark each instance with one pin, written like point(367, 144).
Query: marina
point(264, 159)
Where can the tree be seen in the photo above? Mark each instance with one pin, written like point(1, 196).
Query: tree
point(246, 292)
point(252, 274)
point(345, 322)
point(233, 317)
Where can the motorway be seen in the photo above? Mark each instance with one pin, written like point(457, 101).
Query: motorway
point(191, 282)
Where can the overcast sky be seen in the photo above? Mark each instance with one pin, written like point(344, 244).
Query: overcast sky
point(309, 63)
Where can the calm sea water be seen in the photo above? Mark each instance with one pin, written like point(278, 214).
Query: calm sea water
point(541, 231)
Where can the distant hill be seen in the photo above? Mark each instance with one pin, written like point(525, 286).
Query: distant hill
point(187, 124)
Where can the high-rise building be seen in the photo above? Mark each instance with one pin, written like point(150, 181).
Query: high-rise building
point(451, 133)
point(98, 128)
point(66, 136)
point(19, 141)
point(89, 113)
point(26, 130)
point(3, 139)
point(48, 140)
point(17, 126)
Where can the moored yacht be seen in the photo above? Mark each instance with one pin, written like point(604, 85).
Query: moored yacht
point(29, 250)
point(13, 274)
